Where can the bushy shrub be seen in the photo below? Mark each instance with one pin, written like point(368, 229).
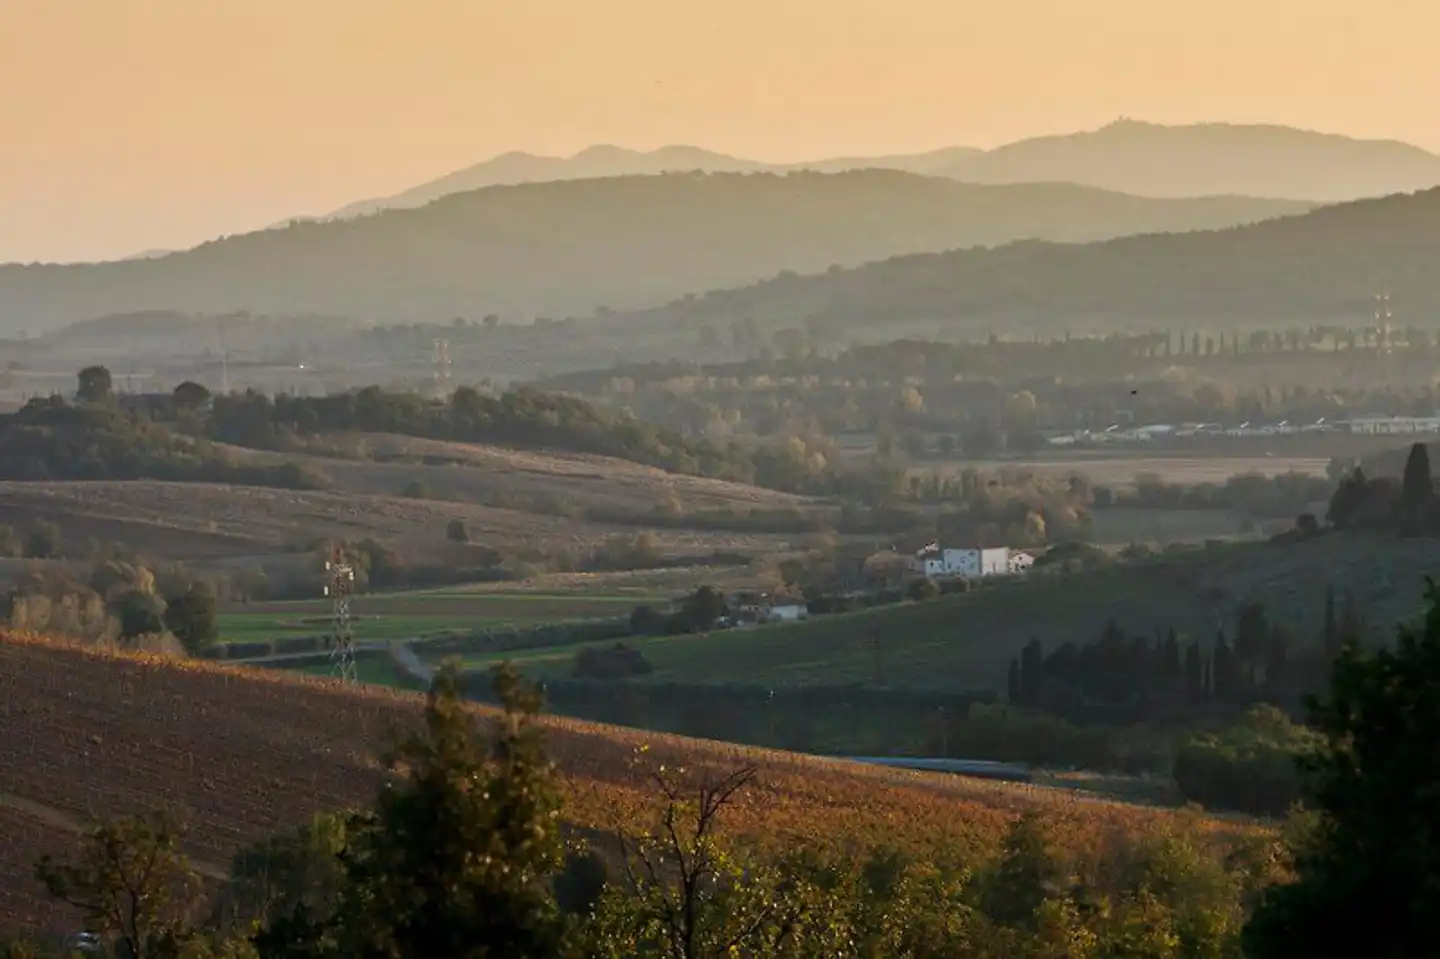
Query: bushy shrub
point(611, 662)
point(1249, 767)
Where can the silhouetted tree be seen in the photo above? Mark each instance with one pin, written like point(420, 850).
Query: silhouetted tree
point(190, 396)
point(458, 855)
point(1372, 860)
point(191, 617)
point(93, 385)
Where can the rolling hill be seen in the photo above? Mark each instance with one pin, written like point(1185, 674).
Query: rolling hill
point(219, 520)
point(1321, 266)
point(967, 641)
point(1209, 159)
point(575, 247)
point(244, 755)
point(512, 168)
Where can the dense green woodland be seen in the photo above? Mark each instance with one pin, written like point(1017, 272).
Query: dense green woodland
point(463, 854)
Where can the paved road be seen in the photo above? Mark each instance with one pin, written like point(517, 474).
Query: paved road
point(405, 659)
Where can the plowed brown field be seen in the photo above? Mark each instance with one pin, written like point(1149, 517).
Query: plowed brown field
point(24, 906)
point(244, 754)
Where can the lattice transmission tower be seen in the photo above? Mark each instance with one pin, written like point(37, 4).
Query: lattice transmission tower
point(339, 588)
point(1384, 332)
point(441, 358)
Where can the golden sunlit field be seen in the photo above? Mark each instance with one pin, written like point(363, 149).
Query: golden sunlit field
point(245, 754)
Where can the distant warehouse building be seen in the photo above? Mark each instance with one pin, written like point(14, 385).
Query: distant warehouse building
point(1393, 425)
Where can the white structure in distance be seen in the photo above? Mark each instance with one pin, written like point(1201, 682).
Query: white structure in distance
point(936, 562)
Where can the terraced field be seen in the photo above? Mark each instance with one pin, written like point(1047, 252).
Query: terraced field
point(244, 754)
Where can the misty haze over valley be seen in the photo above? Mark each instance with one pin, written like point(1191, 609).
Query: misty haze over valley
point(1012, 549)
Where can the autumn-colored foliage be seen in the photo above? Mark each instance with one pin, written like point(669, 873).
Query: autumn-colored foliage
point(247, 754)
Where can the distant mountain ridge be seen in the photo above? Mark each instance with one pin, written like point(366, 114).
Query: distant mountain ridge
point(1127, 156)
point(1318, 267)
point(570, 247)
point(511, 169)
point(1209, 159)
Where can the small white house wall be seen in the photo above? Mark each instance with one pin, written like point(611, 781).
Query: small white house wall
point(995, 562)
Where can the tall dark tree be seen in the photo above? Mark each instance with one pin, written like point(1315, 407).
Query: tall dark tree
point(191, 617)
point(458, 856)
point(1014, 689)
point(93, 385)
point(1417, 487)
point(1417, 490)
point(1373, 861)
point(1032, 668)
point(190, 395)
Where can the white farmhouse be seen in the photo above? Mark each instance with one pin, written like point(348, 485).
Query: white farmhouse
point(786, 613)
point(937, 563)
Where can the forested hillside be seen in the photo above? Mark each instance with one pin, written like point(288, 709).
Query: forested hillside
point(575, 247)
point(1326, 265)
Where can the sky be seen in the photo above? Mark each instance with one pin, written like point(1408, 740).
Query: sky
point(128, 125)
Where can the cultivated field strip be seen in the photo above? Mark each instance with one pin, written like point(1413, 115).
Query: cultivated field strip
point(214, 519)
point(244, 754)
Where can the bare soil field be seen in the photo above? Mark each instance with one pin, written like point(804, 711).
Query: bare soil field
point(245, 754)
point(210, 521)
point(466, 471)
point(24, 905)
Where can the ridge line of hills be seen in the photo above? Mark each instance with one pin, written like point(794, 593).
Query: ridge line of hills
point(581, 247)
point(1127, 156)
point(1322, 265)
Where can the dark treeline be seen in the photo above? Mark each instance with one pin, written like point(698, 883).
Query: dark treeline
point(1122, 678)
point(1409, 505)
point(170, 437)
point(521, 419)
point(49, 439)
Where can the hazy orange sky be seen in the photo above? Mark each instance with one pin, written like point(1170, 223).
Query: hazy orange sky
point(133, 124)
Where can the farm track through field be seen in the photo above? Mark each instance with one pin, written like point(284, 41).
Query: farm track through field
point(69, 824)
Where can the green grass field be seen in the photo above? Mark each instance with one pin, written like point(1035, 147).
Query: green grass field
point(967, 641)
point(375, 670)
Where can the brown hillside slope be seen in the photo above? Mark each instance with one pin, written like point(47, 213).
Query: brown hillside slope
point(386, 462)
point(208, 520)
point(243, 754)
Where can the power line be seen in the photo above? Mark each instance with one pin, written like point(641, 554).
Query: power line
point(339, 589)
point(441, 358)
point(1383, 316)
